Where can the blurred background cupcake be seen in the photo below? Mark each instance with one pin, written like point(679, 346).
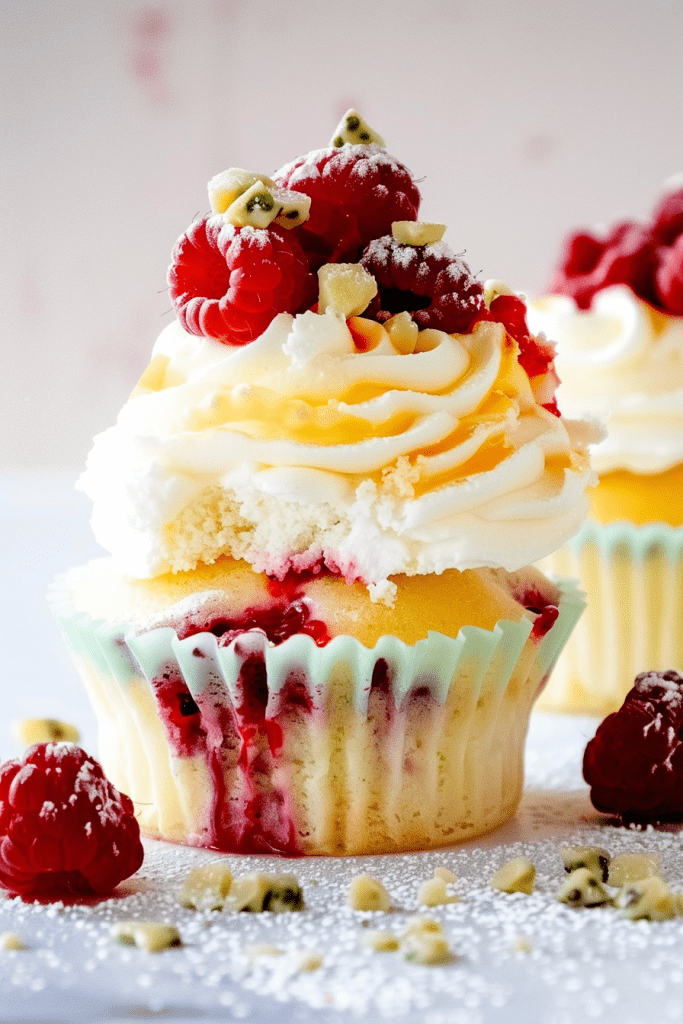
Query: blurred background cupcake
point(615, 309)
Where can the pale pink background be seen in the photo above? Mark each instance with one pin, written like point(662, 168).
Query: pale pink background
point(523, 118)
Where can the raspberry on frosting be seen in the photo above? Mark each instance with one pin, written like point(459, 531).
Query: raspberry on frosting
point(634, 763)
point(228, 282)
point(357, 191)
point(65, 828)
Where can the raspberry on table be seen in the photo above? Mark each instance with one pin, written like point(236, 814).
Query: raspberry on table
point(228, 282)
point(634, 763)
point(356, 193)
point(65, 828)
point(429, 282)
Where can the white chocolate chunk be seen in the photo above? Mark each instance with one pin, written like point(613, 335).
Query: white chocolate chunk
point(366, 893)
point(309, 961)
point(380, 941)
point(260, 949)
point(258, 892)
point(206, 887)
point(429, 339)
point(583, 889)
point(426, 948)
point(403, 332)
point(256, 207)
point(647, 899)
point(518, 875)
point(417, 232)
point(352, 128)
point(521, 945)
point(631, 867)
point(433, 893)
point(295, 207)
point(44, 730)
point(11, 941)
point(345, 288)
point(149, 935)
point(226, 187)
point(446, 874)
point(595, 858)
point(494, 288)
point(422, 923)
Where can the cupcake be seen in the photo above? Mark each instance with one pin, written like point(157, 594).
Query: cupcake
point(616, 312)
point(318, 630)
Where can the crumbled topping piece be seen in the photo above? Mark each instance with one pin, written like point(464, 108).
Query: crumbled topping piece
point(403, 332)
point(521, 944)
point(446, 874)
point(354, 130)
point(426, 948)
point(647, 899)
point(433, 893)
point(583, 889)
point(309, 961)
point(422, 923)
point(259, 949)
point(257, 207)
point(258, 892)
point(518, 875)
point(595, 858)
point(631, 867)
point(206, 887)
point(44, 730)
point(149, 935)
point(417, 232)
point(226, 187)
point(366, 893)
point(11, 941)
point(345, 288)
point(380, 941)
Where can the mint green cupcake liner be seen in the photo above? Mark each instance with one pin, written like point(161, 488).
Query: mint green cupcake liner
point(351, 750)
point(633, 578)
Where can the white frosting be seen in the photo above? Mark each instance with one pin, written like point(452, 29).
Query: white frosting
point(377, 462)
point(621, 361)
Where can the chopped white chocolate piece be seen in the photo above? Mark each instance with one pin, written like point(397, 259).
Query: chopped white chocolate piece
point(417, 232)
point(426, 948)
point(648, 899)
point(11, 941)
point(595, 858)
point(226, 187)
point(44, 730)
point(149, 935)
point(206, 887)
point(583, 889)
point(262, 949)
point(257, 207)
point(631, 867)
point(258, 892)
point(366, 893)
point(295, 207)
point(518, 875)
point(309, 961)
point(422, 923)
point(380, 941)
point(493, 288)
point(521, 945)
point(446, 874)
point(345, 288)
point(352, 128)
point(433, 893)
point(403, 332)
point(430, 338)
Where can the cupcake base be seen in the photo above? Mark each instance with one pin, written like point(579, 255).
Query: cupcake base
point(301, 749)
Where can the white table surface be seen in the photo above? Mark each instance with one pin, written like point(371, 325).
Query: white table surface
point(582, 965)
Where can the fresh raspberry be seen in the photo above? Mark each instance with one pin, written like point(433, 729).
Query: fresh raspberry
point(587, 263)
point(64, 827)
point(669, 277)
point(428, 281)
point(357, 192)
point(634, 763)
point(229, 282)
point(668, 216)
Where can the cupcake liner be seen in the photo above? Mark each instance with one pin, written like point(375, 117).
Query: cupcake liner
point(633, 576)
point(338, 749)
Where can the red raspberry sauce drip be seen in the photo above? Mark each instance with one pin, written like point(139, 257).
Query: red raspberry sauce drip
point(546, 613)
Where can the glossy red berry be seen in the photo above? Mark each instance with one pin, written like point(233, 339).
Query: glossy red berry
point(669, 277)
point(668, 216)
point(65, 828)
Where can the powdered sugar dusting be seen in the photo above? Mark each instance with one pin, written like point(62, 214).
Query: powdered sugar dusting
point(516, 957)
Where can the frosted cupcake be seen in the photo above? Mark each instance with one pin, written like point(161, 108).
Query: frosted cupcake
point(317, 630)
point(618, 320)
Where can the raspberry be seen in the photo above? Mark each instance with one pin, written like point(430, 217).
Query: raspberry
point(229, 282)
point(668, 217)
point(626, 256)
point(64, 827)
point(634, 763)
point(356, 191)
point(669, 277)
point(429, 282)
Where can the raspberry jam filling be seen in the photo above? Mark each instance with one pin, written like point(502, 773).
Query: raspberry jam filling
point(545, 611)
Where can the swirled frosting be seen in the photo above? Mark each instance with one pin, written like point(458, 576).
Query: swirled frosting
point(299, 449)
point(622, 361)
